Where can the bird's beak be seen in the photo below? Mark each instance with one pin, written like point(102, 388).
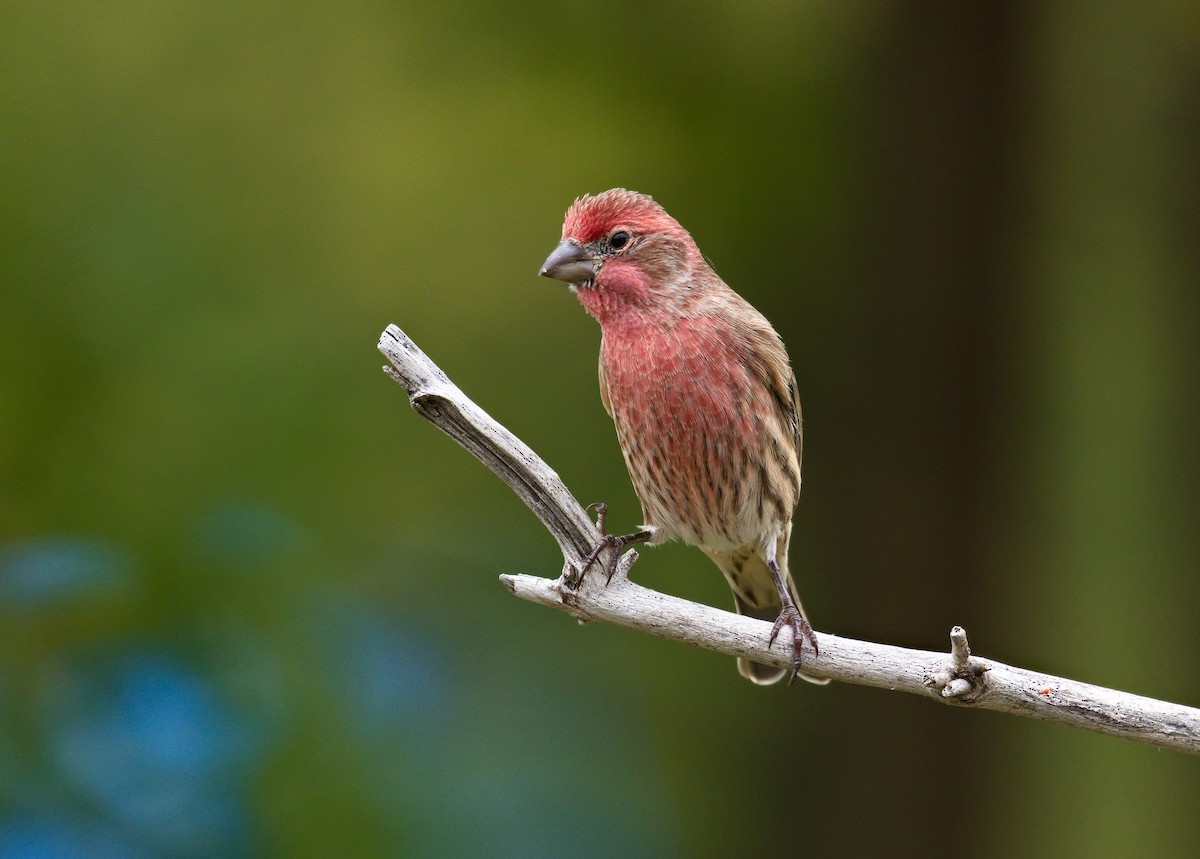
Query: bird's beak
point(569, 262)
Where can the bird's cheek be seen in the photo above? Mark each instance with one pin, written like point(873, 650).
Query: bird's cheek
point(621, 277)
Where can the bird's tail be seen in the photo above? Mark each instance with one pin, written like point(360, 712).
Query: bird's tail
point(755, 595)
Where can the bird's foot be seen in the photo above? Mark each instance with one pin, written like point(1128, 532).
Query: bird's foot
point(801, 630)
point(607, 541)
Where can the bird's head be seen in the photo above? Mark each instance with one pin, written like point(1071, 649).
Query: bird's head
point(621, 252)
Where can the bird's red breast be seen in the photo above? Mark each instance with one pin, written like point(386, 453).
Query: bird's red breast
point(690, 419)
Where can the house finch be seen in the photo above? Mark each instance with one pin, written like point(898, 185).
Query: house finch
point(703, 396)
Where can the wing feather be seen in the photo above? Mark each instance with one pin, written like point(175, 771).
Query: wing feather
point(604, 387)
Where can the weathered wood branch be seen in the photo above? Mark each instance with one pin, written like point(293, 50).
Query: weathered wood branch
point(956, 677)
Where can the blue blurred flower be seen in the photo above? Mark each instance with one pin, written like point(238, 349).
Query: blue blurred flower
point(36, 837)
point(391, 675)
point(149, 741)
point(39, 572)
point(244, 534)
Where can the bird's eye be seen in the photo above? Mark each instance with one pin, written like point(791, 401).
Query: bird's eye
point(619, 239)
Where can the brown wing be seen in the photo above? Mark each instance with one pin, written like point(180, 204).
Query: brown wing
point(767, 360)
point(604, 388)
point(797, 417)
point(781, 381)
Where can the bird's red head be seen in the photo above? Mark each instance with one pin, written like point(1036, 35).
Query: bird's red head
point(622, 252)
point(591, 218)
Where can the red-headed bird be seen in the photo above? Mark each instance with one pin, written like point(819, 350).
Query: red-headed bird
point(703, 396)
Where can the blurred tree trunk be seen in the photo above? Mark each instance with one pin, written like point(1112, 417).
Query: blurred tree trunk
point(1027, 416)
point(940, 195)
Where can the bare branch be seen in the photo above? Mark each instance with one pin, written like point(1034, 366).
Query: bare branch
point(956, 677)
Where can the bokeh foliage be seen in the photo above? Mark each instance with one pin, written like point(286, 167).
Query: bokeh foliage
point(248, 602)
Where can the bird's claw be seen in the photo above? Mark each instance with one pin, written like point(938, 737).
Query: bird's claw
point(607, 541)
point(601, 515)
point(801, 630)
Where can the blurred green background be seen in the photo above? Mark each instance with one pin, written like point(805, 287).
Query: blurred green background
point(248, 599)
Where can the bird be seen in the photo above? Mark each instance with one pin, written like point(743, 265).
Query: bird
point(702, 394)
